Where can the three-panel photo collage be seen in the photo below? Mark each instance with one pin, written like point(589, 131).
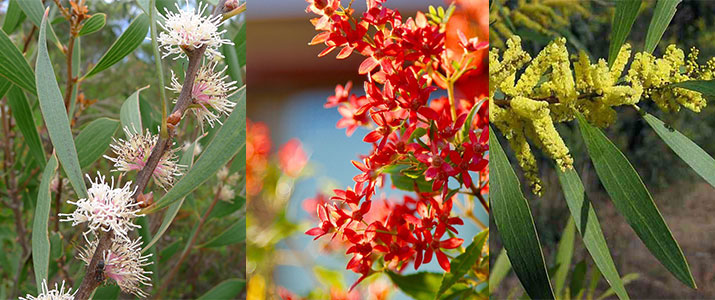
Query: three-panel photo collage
point(357, 149)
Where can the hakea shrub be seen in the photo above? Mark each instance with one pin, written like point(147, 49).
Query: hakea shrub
point(432, 145)
point(112, 252)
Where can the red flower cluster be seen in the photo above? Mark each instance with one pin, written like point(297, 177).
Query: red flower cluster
point(440, 141)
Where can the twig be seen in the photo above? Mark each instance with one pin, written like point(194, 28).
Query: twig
point(28, 39)
point(90, 282)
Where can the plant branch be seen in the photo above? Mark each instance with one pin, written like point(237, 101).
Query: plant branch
point(90, 282)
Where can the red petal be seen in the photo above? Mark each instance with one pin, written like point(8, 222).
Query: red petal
point(345, 52)
point(326, 51)
point(443, 261)
point(367, 65)
point(451, 243)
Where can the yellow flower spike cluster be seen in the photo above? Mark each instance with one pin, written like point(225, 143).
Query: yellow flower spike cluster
point(548, 91)
point(542, 16)
point(652, 74)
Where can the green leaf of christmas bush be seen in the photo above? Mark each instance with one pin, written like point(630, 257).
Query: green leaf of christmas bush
point(55, 115)
point(564, 254)
point(235, 234)
point(625, 16)
point(227, 289)
point(461, 264)
point(405, 183)
point(516, 225)
point(187, 159)
point(587, 224)
point(13, 65)
point(699, 160)
point(420, 286)
point(94, 140)
point(94, 24)
point(498, 271)
point(40, 236)
point(229, 139)
point(124, 45)
point(130, 113)
point(706, 87)
point(663, 14)
point(22, 113)
point(634, 202)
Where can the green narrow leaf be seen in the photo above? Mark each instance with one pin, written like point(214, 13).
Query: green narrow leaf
point(13, 65)
point(634, 202)
point(461, 264)
point(124, 45)
point(227, 289)
point(623, 19)
point(40, 235)
point(224, 208)
point(107, 292)
point(239, 42)
point(405, 183)
point(232, 235)
point(564, 254)
point(687, 150)
point(13, 17)
point(593, 284)
point(55, 115)
point(94, 140)
point(33, 9)
point(663, 14)
point(628, 278)
point(187, 159)
point(498, 271)
point(229, 139)
point(577, 278)
point(22, 113)
point(706, 87)
point(516, 225)
point(130, 113)
point(587, 224)
point(94, 24)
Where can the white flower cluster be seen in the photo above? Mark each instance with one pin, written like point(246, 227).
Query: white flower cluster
point(105, 208)
point(58, 293)
point(133, 154)
point(123, 263)
point(188, 30)
point(108, 208)
point(209, 95)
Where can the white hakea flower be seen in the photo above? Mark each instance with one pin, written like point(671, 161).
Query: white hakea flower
point(123, 263)
point(58, 293)
point(188, 30)
point(209, 95)
point(105, 208)
point(133, 154)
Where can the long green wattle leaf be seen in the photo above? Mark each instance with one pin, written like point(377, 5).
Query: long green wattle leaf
point(227, 289)
point(516, 225)
point(55, 115)
point(586, 222)
point(40, 237)
point(564, 255)
point(699, 160)
point(663, 14)
point(634, 202)
point(625, 16)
